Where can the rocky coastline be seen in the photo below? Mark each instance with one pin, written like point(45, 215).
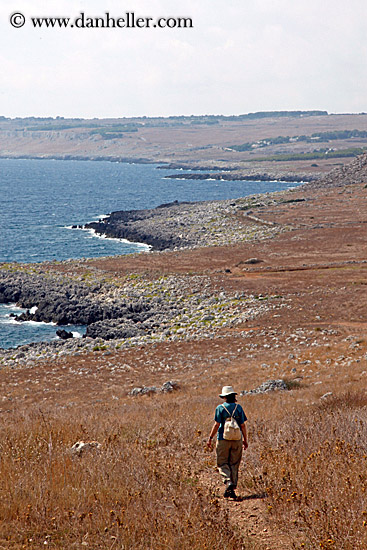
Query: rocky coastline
point(182, 225)
point(135, 310)
point(231, 176)
point(131, 312)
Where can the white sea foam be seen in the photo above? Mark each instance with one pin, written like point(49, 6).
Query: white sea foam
point(33, 310)
point(38, 323)
point(7, 320)
point(94, 234)
point(12, 306)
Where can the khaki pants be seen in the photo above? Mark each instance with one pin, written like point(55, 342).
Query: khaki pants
point(229, 455)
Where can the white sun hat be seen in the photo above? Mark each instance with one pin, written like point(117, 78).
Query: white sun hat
point(227, 390)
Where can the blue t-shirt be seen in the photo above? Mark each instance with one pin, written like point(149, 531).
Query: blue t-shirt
point(221, 415)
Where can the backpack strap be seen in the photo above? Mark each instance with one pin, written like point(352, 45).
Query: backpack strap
point(232, 415)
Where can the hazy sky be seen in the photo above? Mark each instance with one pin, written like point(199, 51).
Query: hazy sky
point(240, 56)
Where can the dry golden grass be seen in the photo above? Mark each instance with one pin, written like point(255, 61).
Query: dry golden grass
point(152, 486)
point(313, 468)
point(140, 491)
point(144, 489)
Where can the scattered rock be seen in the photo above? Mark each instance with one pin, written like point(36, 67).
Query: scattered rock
point(181, 225)
point(81, 447)
point(135, 312)
point(170, 386)
point(326, 395)
point(64, 334)
point(253, 261)
point(146, 390)
point(265, 387)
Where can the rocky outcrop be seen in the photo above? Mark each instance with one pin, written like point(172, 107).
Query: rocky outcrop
point(61, 302)
point(167, 387)
point(64, 334)
point(108, 310)
point(53, 299)
point(268, 386)
point(167, 309)
point(184, 225)
point(352, 173)
point(141, 226)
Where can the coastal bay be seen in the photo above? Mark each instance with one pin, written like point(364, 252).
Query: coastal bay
point(41, 200)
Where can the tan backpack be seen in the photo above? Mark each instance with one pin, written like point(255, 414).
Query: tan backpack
point(232, 431)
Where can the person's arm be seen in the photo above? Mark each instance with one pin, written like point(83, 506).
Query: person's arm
point(244, 433)
point(212, 434)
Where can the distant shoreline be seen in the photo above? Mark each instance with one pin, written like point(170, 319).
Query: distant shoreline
point(223, 173)
point(128, 160)
point(284, 178)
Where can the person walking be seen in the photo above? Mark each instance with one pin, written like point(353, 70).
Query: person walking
point(229, 425)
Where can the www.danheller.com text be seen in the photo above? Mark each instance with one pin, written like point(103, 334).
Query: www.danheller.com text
point(128, 20)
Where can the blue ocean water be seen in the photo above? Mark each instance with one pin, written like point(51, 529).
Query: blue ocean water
point(14, 334)
point(41, 199)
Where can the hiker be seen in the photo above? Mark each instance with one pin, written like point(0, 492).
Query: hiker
point(230, 426)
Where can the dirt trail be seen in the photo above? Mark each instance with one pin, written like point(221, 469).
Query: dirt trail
point(248, 514)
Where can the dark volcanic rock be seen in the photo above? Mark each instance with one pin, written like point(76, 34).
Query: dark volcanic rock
point(58, 301)
point(109, 330)
point(140, 226)
point(64, 334)
point(64, 302)
point(179, 225)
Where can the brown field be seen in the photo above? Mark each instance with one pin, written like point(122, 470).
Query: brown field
point(153, 485)
point(188, 143)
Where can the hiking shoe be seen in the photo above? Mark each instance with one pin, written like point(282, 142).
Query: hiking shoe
point(229, 492)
